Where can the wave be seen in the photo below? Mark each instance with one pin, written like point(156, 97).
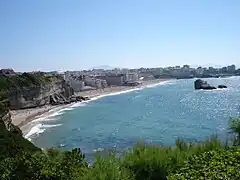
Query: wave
point(53, 113)
point(48, 117)
point(158, 84)
point(66, 109)
point(39, 129)
point(58, 112)
point(78, 104)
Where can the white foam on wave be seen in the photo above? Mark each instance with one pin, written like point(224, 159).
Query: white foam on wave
point(39, 129)
point(158, 84)
point(66, 109)
point(53, 113)
point(48, 117)
point(78, 104)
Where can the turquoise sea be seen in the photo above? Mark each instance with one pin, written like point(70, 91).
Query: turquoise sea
point(157, 115)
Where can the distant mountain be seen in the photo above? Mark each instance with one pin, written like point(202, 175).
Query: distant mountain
point(105, 67)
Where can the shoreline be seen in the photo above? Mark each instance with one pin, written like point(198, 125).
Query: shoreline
point(22, 118)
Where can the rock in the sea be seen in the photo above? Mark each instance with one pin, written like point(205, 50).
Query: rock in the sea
point(81, 98)
point(222, 86)
point(200, 84)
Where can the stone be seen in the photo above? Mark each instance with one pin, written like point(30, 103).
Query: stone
point(200, 84)
point(54, 93)
point(81, 98)
point(7, 120)
point(222, 86)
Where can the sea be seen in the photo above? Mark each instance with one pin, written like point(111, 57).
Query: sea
point(157, 114)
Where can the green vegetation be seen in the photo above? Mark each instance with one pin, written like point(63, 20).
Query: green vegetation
point(12, 143)
point(217, 164)
point(154, 162)
point(209, 159)
point(25, 80)
point(234, 126)
point(143, 162)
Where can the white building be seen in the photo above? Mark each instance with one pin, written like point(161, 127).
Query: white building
point(130, 77)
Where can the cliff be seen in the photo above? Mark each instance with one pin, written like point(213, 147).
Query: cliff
point(51, 93)
point(11, 140)
point(33, 90)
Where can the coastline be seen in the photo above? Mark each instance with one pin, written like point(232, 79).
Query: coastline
point(22, 118)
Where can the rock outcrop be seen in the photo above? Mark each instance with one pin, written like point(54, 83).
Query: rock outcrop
point(7, 120)
point(52, 93)
point(222, 86)
point(200, 84)
point(11, 140)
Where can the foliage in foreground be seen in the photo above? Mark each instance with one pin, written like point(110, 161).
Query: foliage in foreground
point(217, 164)
point(12, 143)
point(52, 164)
point(143, 162)
point(234, 126)
point(155, 163)
point(207, 160)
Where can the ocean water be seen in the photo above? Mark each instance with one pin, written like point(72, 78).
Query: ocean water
point(158, 115)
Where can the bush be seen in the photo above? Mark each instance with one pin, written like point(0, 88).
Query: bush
point(50, 165)
point(142, 162)
point(108, 168)
point(216, 164)
point(234, 126)
point(13, 143)
point(155, 163)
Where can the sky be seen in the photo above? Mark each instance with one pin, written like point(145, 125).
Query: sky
point(80, 34)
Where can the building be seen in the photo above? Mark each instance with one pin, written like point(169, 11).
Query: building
point(113, 80)
point(146, 76)
point(180, 73)
point(199, 71)
point(95, 82)
point(231, 69)
point(130, 77)
point(186, 66)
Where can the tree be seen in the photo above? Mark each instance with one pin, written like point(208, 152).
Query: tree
point(234, 126)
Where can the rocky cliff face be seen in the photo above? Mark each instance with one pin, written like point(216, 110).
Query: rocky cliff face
point(7, 121)
point(11, 141)
point(40, 95)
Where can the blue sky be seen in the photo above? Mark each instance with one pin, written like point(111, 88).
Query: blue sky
point(80, 34)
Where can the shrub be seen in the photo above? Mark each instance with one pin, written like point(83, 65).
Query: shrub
point(234, 126)
point(50, 165)
point(216, 164)
point(108, 168)
point(13, 143)
point(155, 163)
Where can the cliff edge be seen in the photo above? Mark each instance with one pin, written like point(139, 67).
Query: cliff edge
point(11, 140)
point(33, 90)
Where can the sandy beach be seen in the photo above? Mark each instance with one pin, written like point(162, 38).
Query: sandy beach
point(22, 117)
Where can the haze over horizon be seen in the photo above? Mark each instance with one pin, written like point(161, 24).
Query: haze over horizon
point(74, 35)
